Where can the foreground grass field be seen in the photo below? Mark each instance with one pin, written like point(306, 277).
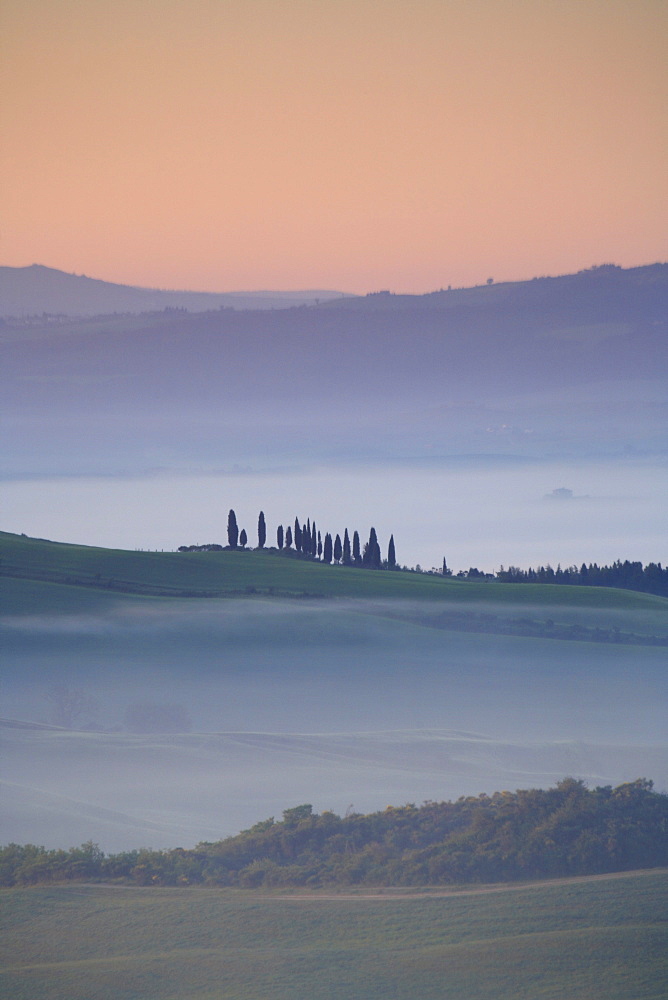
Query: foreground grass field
point(594, 939)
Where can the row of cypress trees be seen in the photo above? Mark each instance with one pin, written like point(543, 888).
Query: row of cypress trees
point(307, 540)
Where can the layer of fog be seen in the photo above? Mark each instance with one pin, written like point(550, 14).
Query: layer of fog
point(474, 513)
point(61, 788)
point(83, 437)
point(328, 703)
point(296, 667)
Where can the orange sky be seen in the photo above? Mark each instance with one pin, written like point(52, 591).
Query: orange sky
point(350, 144)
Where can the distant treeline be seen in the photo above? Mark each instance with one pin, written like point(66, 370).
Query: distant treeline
point(307, 540)
point(566, 830)
point(650, 579)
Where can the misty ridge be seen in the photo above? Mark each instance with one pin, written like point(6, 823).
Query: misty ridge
point(28, 293)
point(271, 664)
point(575, 365)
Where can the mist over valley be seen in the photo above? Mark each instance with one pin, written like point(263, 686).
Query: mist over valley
point(269, 702)
point(519, 424)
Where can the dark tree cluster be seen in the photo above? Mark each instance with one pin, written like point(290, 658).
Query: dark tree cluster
point(650, 579)
point(565, 831)
point(305, 540)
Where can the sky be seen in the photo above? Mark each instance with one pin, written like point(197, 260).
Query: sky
point(356, 145)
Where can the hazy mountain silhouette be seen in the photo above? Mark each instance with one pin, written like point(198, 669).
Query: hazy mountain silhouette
point(34, 290)
point(554, 366)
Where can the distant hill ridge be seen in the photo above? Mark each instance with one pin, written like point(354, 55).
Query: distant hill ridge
point(624, 287)
point(573, 365)
point(34, 290)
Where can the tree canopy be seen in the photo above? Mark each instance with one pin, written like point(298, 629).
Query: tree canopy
point(508, 836)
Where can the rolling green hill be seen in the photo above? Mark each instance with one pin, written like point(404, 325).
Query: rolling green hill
point(43, 577)
point(269, 573)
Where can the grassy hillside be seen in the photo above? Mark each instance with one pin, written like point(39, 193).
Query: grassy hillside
point(234, 573)
point(601, 939)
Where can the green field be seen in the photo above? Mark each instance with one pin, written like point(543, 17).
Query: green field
point(595, 939)
point(242, 572)
point(39, 577)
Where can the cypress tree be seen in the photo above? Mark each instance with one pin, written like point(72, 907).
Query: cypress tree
point(288, 537)
point(346, 549)
point(319, 546)
point(357, 557)
point(314, 541)
point(261, 531)
point(371, 557)
point(279, 536)
point(338, 549)
point(298, 536)
point(243, 538)
point(391, 556)
point(327, 554)
point(232, 530)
